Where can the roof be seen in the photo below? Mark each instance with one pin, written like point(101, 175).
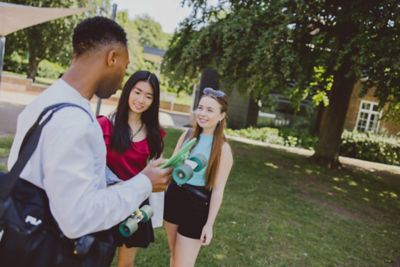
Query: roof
point(15, 17)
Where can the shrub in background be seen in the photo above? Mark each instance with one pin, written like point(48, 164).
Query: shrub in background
point(370, 146)
point(366, 146)
point(49, 69)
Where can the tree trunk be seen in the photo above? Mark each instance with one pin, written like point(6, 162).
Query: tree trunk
point(316, 123)
point(253, 110)
point(333, 117)
point(32, 67)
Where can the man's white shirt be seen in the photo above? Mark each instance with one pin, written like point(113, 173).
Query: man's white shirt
point(69, 164)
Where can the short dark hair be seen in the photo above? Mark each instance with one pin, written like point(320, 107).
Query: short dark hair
point(95, 31)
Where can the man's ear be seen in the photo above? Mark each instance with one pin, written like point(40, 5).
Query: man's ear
point(111, 57)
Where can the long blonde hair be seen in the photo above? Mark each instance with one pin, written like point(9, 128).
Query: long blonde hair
point(218, 141)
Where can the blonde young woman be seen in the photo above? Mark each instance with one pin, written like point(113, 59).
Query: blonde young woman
point(190, 210)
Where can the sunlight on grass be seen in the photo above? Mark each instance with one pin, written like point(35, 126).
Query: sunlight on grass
point(219, 256)
point(271, 165)
point(388, 194)
point(352, 183)
point(337, 188)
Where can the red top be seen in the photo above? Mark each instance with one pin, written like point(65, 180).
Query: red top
point(133, 160)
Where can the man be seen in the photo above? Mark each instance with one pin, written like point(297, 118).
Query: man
point(69, 162)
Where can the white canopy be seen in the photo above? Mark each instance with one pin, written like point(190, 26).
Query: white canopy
point(16, 17)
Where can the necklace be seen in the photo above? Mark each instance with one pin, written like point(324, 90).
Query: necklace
point(138, 131)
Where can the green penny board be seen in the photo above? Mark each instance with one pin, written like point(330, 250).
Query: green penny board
point(180, 156)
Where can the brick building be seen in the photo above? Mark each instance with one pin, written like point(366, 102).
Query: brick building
point(363, 114)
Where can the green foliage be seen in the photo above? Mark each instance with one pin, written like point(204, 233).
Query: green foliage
point(142, 31)
point(50, 70)
point(15, 62)
point(50, 40)
point(280, 45)
point(393, 113)
point(5, 145)
point(136, 56)
point(303, 49)
point(372, 147)
point(365, 146)
point(150, 32)
point(284, 136)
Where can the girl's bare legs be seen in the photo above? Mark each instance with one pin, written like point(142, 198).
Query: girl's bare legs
point(186, 251)
point(171, 230)
point(126, 256)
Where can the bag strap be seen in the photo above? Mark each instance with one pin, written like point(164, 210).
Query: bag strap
point(29, 144)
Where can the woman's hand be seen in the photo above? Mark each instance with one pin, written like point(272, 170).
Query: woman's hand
point(206, 235)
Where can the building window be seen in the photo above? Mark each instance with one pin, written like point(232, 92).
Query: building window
point(368, 117)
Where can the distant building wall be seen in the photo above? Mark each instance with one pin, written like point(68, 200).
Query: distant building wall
point(385, 126)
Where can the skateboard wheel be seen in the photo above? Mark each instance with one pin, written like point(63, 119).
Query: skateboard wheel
point(182, 174)
point(201, 161)
point(128, 227)
point(147, 213)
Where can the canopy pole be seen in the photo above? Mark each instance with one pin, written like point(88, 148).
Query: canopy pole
point(2, 48)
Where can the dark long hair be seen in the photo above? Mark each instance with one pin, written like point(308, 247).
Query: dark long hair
point(122, 133)
point(218, 141)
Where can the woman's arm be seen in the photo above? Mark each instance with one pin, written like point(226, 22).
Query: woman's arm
point(180, 141)
point(217, 195)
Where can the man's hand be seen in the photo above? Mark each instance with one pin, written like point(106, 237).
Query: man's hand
point(159, 178)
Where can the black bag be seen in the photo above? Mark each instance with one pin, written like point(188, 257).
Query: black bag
point(31, 236)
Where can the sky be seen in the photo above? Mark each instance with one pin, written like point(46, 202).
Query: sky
point(166, 12)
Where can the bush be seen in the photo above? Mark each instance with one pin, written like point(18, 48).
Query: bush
point(15, 63)
point(285, 136)
point(366, 146)
point(49, 69)
point(372, 147)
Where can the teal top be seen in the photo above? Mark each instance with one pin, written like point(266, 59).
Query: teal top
point(202, 147)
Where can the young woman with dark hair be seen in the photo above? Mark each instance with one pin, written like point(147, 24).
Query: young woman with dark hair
point(191, 209)
point(133, 136)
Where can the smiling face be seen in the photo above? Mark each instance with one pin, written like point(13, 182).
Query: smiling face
point(208, 114)
point(140, 97)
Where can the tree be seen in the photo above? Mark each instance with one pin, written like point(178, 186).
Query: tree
point(150, 32)
point(134, 47)
point(261, 45)
point(50, 40)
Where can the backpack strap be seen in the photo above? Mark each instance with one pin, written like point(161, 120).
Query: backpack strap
point(29, 144)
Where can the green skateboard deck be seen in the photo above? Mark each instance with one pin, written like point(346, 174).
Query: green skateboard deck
point(183, 165)
point(180, 156)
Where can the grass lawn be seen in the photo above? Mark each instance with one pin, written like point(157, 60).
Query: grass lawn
point(281, 210)
point(5, 145)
